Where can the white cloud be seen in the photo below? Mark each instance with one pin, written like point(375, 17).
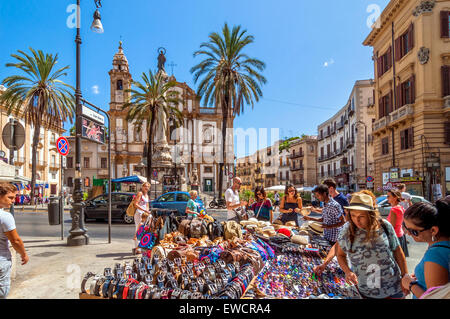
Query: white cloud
point(95, 89)
point(328, 63)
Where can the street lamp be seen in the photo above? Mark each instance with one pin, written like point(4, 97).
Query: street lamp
point(365, 146)
point(78, 234)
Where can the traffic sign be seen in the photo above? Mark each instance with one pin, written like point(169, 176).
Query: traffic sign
point(230, 175)
point(155, 173)
point(370, 179)
point(62, 145)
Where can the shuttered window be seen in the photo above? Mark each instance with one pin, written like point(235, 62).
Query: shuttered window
point(406, 139)
point(384, 63)
point(445, 24)
point(385, 146)
point(404, 43)
point(445, 80)
point(447, 133)
point(406, 92)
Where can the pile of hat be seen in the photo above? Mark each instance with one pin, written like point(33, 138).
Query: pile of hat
point(266, 229)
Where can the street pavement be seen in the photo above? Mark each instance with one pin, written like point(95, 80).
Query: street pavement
point(55, 269)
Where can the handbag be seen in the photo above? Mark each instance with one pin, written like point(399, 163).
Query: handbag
point(146, 236)
point(241, 213)
point(131, 210)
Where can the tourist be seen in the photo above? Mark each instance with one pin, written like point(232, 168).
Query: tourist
point(429, 224)
point(406, 202)
point(371, 245)
point(276, 197)
point(338, 197)
point(395, 217)
point(332, 214)
point(262, 208)
point(192, 208)
point(291, 205)
point(332, 253)
point(235, 207)
point(141, 203)
point(8, 233)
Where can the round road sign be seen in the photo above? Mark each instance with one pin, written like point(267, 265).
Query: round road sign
point(62, 145)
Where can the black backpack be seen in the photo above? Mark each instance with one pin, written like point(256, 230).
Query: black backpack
point(215, 230)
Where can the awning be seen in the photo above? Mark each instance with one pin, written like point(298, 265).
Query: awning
point(133, 179)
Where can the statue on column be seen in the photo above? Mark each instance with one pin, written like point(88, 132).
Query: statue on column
point(161, 60)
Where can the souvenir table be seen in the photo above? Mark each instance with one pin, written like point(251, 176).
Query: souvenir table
point(246, 262)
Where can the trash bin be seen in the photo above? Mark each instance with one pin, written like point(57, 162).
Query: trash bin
point(53, 211)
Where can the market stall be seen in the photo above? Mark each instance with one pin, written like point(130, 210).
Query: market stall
point(202, 259)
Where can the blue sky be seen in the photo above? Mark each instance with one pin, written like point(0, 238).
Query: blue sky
point(313, 50)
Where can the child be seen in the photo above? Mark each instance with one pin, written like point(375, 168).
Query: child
point(144, 218)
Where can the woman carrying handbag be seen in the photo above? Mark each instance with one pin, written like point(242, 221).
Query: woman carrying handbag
point(262, 208)
point(141, 204)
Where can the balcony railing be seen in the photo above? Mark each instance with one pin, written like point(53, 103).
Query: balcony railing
point(39, 163)
point(207, 110)
point(54, 166)
point(297, 155)
point(297, 168)
point(339, 125)
point(349, 142)
point(19, 160)
point(402, 112)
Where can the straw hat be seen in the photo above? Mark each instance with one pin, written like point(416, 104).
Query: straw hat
point(361, 201)
point(317, 227)
point(291, 223)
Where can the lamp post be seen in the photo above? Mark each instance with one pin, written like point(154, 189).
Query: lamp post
point(365, 147)
point(78, 234)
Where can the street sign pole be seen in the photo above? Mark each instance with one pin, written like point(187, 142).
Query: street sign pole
point(61, 199)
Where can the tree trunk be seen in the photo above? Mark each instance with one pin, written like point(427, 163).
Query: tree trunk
point(150, 148)
point(37, 131)
point(224, 139)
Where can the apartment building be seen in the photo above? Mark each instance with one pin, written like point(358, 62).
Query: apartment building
point(345, 142)
point(411, 54)
point(303, 159)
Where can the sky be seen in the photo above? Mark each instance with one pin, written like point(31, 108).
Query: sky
point(312, 49)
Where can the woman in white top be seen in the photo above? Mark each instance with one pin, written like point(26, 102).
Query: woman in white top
point(141, 203)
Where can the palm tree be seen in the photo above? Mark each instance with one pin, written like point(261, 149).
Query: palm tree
point(38, 95)
point(154, 94)
point(230, 78)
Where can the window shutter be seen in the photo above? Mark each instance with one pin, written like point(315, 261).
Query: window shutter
point(398, 96)
point(444, 24)
point(413, 89)
point(410, 137)
point(398, 47)
point(380, 108)
point(379, 72)
point(445, 80)
point(411, 37)
point(389, 58)
point(391, 102)
point(402, 140)
point(447, 133)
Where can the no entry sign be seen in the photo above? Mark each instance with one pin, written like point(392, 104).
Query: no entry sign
point(62, 145)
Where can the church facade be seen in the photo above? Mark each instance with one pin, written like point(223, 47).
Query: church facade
point(195, 147)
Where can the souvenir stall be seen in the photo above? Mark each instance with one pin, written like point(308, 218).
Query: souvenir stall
point(207, 259)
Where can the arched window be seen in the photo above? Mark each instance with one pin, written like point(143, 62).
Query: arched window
point(119, 85)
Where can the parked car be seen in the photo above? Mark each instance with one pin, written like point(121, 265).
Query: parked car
point(97, 207)
point(384, 207)
point(176, 201)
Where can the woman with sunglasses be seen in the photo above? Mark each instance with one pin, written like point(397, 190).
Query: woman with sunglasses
point(291, 205)
point(429, 224)
point(262, 208)
point(395, 217)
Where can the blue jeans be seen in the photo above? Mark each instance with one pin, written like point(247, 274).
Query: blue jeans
point(5, 278)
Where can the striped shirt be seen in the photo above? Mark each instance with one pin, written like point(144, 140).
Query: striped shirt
point(332, 213)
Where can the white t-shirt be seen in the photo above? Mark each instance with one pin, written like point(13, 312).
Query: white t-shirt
point(232, 197)
point(405, 203)
point(7, 224)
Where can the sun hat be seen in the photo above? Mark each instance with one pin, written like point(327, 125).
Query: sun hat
point(361, 201)
point(317, 227)
point(285, 232)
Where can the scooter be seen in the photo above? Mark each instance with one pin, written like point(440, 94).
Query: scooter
point(221, 203)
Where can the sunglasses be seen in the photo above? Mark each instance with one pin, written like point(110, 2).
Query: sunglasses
point(413, 231)
point(291, 191)
point(258, 194)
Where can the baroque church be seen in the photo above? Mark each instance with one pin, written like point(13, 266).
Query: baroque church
point(191, 152)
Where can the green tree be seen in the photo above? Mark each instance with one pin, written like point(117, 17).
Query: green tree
point(39, 95)
point(230, 78)
point(147, 99)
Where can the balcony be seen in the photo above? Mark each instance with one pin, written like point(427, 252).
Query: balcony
point(39, 163)
point(349, 142)
point(269, 175)
point(351, 110)
point(326, 134)
point(19, 160)
point(320, 137)
point(401, 114)
point(381, 124)
point(297, 155)
point(54, 166)
point(339, 125)
point(259, 180)
point(294, 169)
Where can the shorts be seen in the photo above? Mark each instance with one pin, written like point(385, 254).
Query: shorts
point(5, 278)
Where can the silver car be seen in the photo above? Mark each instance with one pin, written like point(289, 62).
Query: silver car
point(384, 207)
